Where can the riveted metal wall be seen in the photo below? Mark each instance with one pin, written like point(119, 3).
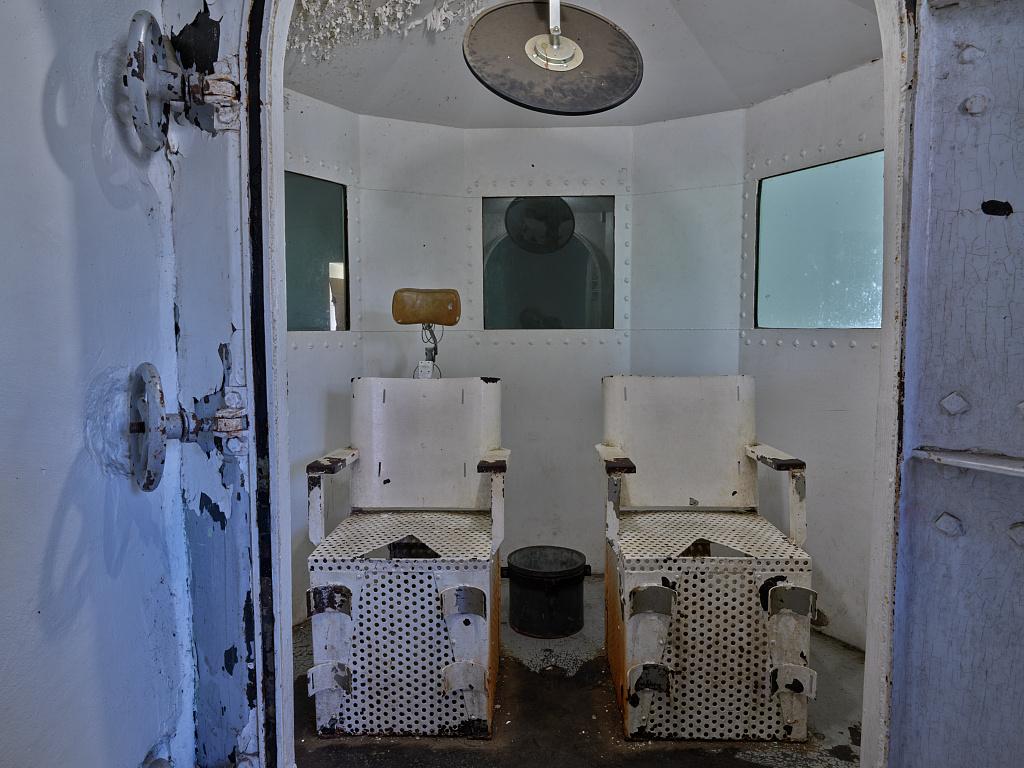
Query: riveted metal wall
point(957, 677)
point(817, 388)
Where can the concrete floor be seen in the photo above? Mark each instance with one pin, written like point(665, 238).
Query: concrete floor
point(555, 701)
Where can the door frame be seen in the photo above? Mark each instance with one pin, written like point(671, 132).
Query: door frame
point(262, 54)
point(263, 162)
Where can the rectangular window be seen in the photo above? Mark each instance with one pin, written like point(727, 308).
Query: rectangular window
point(316, 254)
point(819, 246)
point(549, 262)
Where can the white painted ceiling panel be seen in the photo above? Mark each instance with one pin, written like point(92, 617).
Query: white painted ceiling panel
point(700, 56)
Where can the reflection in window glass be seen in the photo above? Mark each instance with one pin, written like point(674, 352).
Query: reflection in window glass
point(819, 247)
point(549, 262)
point(316, 254)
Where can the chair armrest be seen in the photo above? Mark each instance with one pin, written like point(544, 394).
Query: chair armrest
point(615, 460)
point(773, 458)
point(333, 463)
point(494, 461)
point(783, 462)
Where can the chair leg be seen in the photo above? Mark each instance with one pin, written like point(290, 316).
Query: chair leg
point(465, 610)
point(650, 608)
point(790, 609)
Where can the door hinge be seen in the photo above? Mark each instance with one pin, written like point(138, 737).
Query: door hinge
point(219, 423)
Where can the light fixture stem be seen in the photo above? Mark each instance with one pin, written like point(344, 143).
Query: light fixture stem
point(555, 22)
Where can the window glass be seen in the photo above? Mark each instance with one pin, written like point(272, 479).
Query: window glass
point(316, 254)
point(549, 262)
point(819, 246)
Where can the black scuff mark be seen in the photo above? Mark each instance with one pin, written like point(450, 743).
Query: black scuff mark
point(137, 63)
point(250, 654)
point(230, 659)
point(911, 8)
point(996, 208)
point(224, 353)
point(489, 379)
point(800, 484)
point(844, 752)
point(198, 42)
point(177, 326)
point(212, 508)
point(855, 734)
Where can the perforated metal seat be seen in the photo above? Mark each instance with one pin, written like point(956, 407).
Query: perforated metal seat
point(367, 535)
point(404, 592)
point(708, 604)
point(648, 538)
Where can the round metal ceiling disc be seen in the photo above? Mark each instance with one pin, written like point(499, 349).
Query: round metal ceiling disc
point(495, 50)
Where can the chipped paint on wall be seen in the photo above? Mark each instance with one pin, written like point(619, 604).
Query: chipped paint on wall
point(219, 537)
point(320, 26)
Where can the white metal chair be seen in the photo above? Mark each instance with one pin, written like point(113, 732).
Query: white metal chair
point(404, 593)
point(708, 605)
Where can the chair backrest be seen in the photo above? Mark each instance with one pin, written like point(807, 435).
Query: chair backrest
point(419, 442)
point(688, 438)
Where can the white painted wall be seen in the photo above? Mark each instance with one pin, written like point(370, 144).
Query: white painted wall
point(684, 200)
point(96, 664)
point(817, 390)
point(688, 177)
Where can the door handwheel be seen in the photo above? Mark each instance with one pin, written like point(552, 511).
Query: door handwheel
point(154, 80)
point(151, 426)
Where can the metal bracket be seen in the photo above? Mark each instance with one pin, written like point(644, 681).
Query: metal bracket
point(335, 598)
point(470, 678)
point(789, 597)
point(464, 676)
point(332, 675)
point(158, 86)
point(150, 426)
point(652, 598)
point(464, 600)
point(794, 678)
point(649, 676)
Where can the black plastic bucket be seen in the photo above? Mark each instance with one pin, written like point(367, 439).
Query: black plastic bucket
point(545, 591)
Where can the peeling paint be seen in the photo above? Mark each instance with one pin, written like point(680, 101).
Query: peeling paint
point(209, 507)
point(198, 42)
point(996, 208)
point(230, 659)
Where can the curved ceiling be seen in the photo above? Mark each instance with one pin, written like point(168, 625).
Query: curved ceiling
point(700, 56)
